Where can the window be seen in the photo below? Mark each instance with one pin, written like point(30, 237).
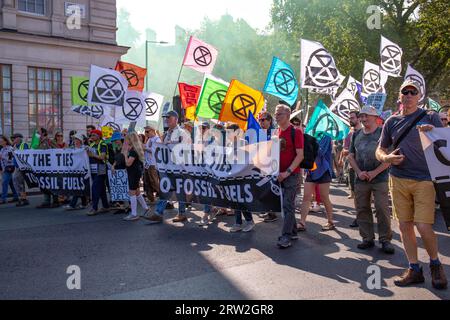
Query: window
point(44, 99)
point(6, 100)
point(32, 6)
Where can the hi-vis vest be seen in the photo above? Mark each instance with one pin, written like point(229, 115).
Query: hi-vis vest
point(99, 148)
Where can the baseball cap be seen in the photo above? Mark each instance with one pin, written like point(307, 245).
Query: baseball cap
point(78, 136)
point(205, 124)
point(411, 83)
point(172, 113)
point(97, 132)
point(370, 111)
point(116, 136)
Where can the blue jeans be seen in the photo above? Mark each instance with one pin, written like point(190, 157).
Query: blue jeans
point(247, 215)
point(7, 181)
point(99, 191)
point(161, 206)
point(207, 209)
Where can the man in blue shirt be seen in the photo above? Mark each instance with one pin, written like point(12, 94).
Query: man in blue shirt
point(412, 189)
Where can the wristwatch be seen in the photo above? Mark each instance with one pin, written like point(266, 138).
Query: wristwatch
point(289, 171)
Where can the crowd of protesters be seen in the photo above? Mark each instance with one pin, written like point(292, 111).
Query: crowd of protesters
point(374, 171)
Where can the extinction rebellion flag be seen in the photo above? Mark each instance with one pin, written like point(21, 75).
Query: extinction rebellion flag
point(200, 56)
point(323, 121)
point(281, 82)
point(60, 171)
point(211, 98)
point(135, 75)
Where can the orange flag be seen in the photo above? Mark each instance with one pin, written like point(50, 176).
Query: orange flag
point(189, 95)
point(135, 75)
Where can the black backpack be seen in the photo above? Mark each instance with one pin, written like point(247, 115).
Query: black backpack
point(311, 150)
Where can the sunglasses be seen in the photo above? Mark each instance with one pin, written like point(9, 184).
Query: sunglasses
point(260, 120)
point(411, 92)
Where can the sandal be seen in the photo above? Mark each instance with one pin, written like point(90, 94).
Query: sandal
point(329, 227)
point(301, 227)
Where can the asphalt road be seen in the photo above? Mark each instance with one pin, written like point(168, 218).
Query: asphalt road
point(123, 260)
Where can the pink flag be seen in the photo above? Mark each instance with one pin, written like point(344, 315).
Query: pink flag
point(200, 56)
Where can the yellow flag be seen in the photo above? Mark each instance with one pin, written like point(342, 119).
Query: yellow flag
point(190, 113)
point(239, 102)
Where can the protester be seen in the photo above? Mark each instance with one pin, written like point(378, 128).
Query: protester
point(77, 140)
point(89, 129)
point(321, 177)
point(19, 176)
point(8, 168)
point(97, 158)
point(174, 135)
point(291, 157)
point(444, 119)
point(45, 144)
point(355, 124)
point(412, 190)
point(372, 179)
point(72, 133)
point(134, 160)
point(151, 177)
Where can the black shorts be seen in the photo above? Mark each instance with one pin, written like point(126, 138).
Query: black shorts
point(326, 178)
point(134, 179)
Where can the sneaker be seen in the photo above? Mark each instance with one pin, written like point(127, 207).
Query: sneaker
point(236, 228)
point(92, 213)
point(146, 214)
point(387, 247)
point(248, 226)
point(154, 219)
point(271, 217)
point(354, 224)
point(284, 242)
point(410, 277)
point(295, 237)
point(179, 218)
point(439, 280)
point(366, 245)
point(131, 218)
point(204, 222)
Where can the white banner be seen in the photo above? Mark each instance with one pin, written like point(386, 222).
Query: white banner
point(106, 87)
point(318, 68)
point(374, 79)
point(344, 104)
point(391, 57)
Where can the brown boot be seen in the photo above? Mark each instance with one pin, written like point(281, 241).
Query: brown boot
point(439, 280)
point(410, 277)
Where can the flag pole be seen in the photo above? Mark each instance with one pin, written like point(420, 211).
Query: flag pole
point(178, 79)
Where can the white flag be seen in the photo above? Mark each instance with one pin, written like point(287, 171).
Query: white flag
point(374, 79)
point(352, 85)
point(318, 68)
point(108, 121)
point(153, 103)
point(95, 111)
point(344, 104)
point(414, 75)
point(133, 110)
point(391, 57)
point(106, 87)
point(436, 146)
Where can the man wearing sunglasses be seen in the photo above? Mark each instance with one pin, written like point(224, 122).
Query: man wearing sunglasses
point(411, 187)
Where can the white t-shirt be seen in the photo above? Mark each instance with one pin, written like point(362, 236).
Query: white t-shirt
point(149, 159)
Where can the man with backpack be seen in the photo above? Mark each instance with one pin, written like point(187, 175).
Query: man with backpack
point(291, 156)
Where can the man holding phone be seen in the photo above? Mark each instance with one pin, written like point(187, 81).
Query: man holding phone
point(411, 187)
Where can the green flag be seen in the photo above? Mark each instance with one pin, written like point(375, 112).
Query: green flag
point(35, 140)
point(80, 88)
point(211, 98)
point(433, 105)
point(323, 121)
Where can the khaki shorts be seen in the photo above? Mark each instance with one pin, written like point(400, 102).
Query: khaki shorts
point(413, 201)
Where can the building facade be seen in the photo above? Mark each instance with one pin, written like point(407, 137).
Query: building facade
point(43, 43)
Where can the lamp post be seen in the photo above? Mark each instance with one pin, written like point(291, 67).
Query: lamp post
point(146, 57)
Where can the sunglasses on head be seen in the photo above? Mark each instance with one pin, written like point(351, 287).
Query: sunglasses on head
point(412, 92)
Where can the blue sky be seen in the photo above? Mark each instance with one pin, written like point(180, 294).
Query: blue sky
point(163, 15)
